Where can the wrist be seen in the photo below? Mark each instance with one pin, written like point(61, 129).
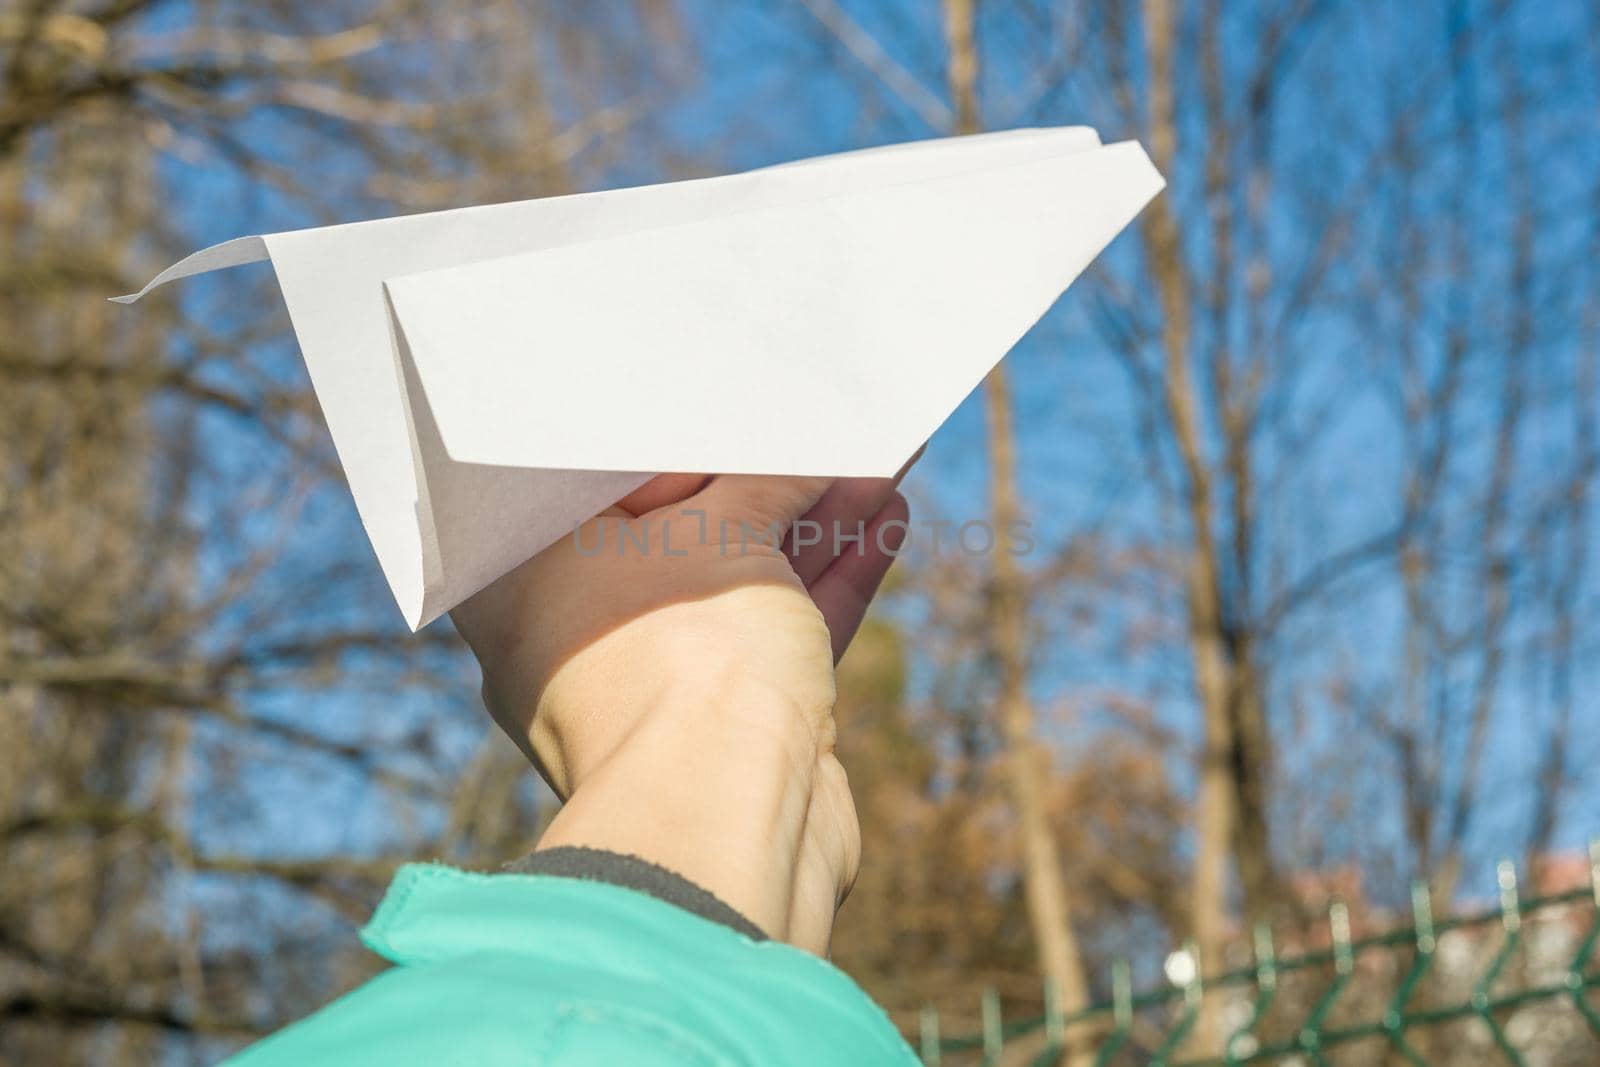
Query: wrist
point(722, 790)
point(683, 666)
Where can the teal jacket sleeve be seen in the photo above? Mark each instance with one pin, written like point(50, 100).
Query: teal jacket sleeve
point(524, 969)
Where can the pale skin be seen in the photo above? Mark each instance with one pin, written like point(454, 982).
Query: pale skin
point(682, 704)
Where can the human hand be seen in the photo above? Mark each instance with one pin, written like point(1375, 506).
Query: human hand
point(669, 669)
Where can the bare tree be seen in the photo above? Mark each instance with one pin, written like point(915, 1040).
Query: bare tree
point(190, 626)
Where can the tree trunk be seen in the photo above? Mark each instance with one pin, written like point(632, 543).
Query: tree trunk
point(1216, 817)
point(1249, 767)
point(1049, 907)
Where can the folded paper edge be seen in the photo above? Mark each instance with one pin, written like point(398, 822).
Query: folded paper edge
point(1144, 183)
point(425, 608)
point(253, 249)
point(234, 253)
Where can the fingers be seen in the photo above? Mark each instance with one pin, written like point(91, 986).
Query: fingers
point(767, 500)
point(848, 502)
point(847, 505)
point(846, 587)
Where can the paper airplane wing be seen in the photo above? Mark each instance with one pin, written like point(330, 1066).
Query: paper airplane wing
point(493, 375)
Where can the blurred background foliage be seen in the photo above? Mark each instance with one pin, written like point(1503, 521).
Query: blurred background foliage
point(1308, 459)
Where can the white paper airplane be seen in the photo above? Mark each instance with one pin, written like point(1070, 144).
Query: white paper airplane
point(494, 375)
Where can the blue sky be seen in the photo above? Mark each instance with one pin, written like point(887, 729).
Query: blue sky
point(770, 87)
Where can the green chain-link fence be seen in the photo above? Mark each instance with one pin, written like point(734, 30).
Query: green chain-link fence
point(1393, 995)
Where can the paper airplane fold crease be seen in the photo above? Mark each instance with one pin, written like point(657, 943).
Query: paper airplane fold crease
point(492, 376)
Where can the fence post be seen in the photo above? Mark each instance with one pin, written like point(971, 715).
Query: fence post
point(1511, 930)
point(1121, 1012)
point(1241, 1042)
point(1343, 967)
point(1394, 1019)
point(993, 1039)
point(1577, 981)
point(929, 1025)
point(1054, 1020)
point(1193, 990)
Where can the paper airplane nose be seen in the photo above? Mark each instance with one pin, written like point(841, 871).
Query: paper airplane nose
point(492, 376)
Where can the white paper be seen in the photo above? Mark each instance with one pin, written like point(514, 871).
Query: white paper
point(494, 375)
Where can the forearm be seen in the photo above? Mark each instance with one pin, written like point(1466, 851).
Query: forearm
point(722, 788)
point(682, 701)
